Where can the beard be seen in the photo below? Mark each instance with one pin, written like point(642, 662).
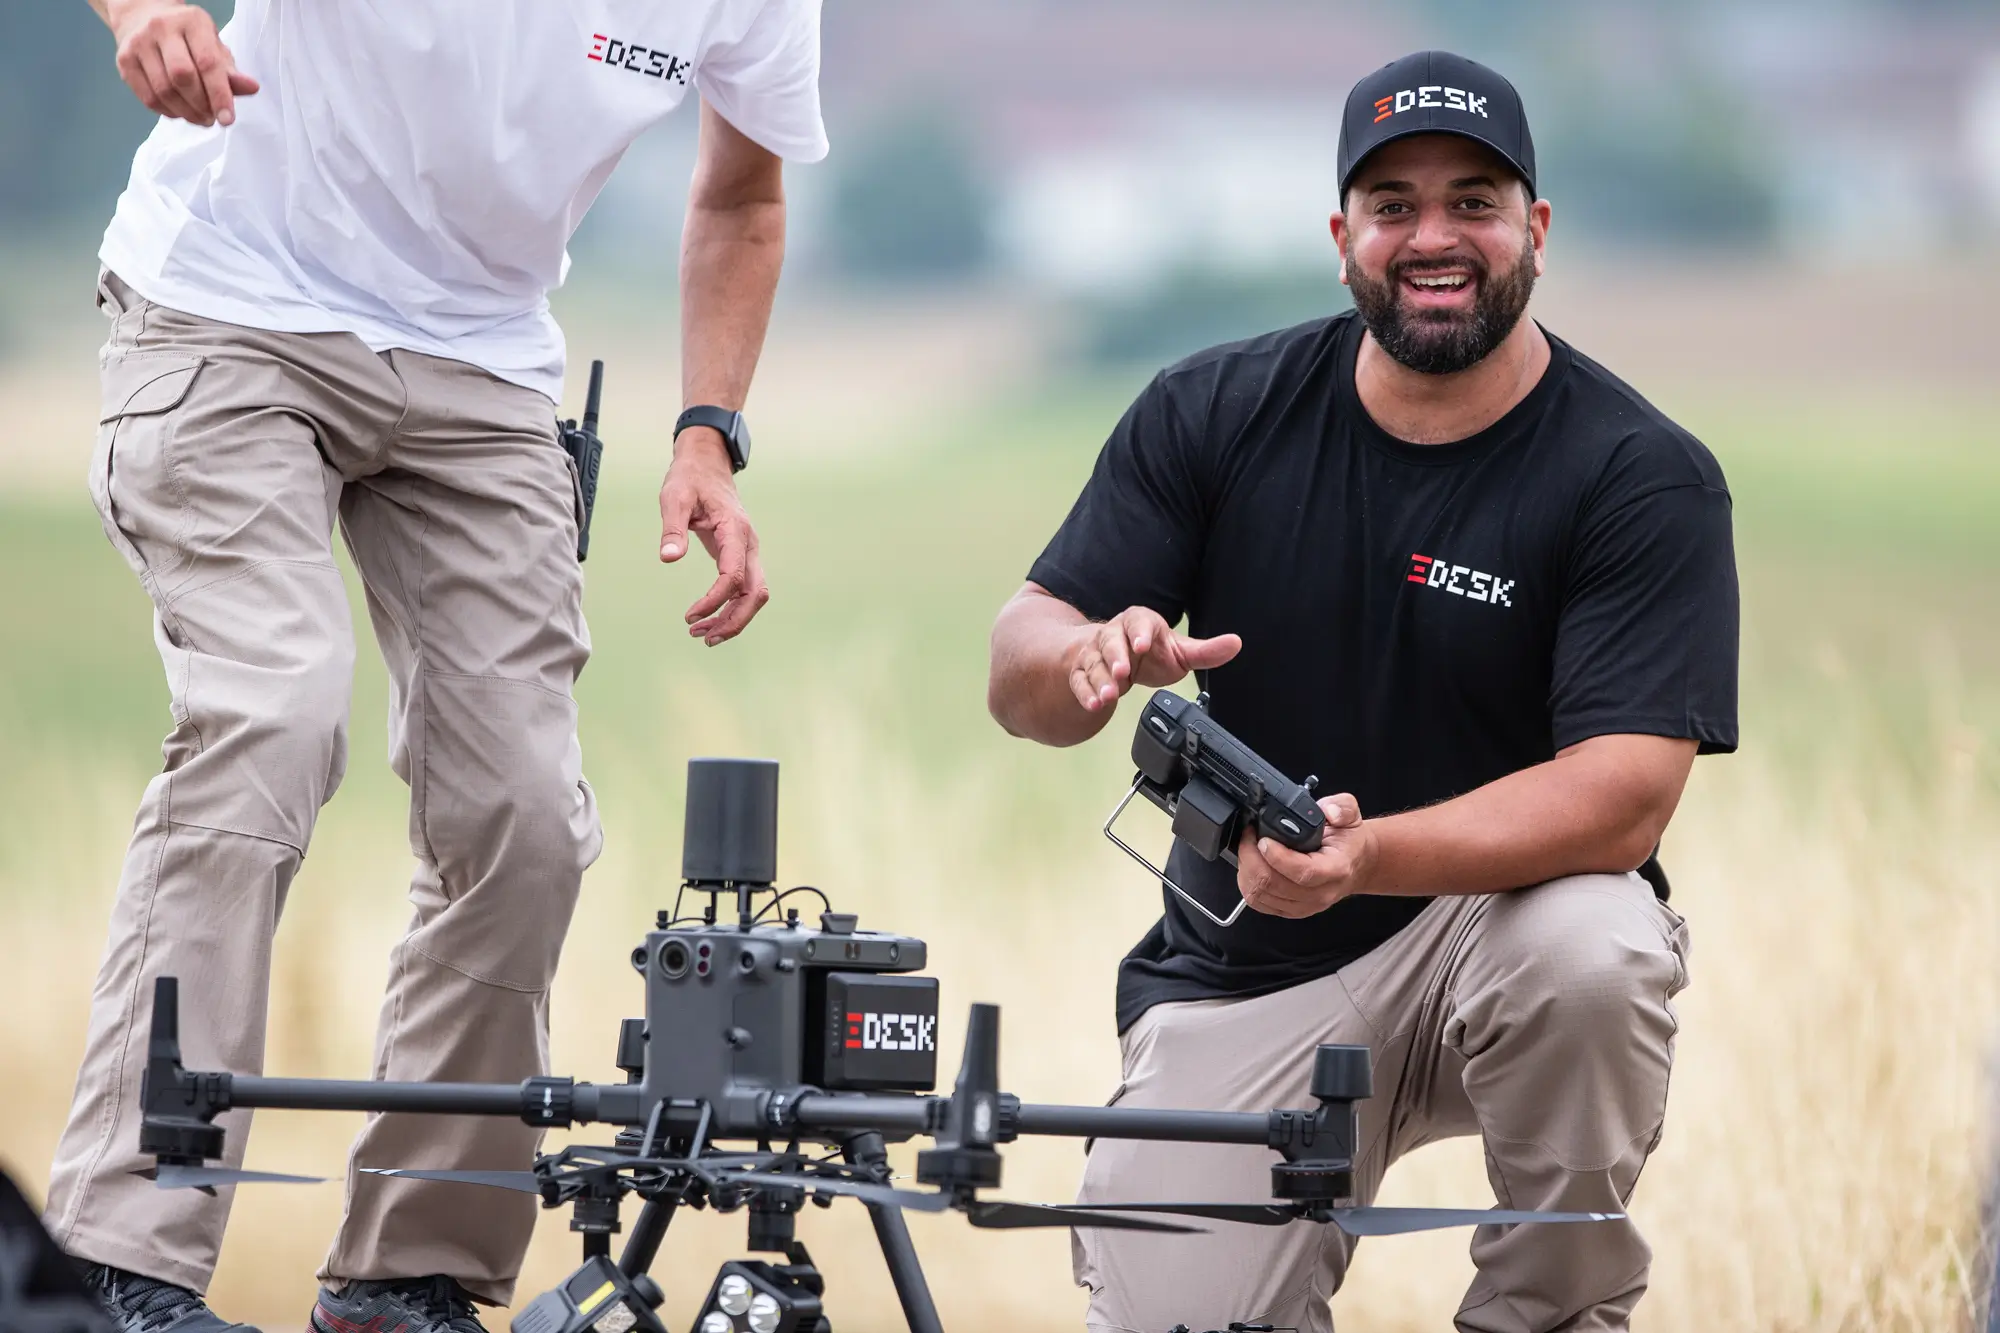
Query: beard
point(1443, 342)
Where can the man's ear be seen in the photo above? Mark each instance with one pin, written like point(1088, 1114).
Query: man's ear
point(1539, 214)
point(1337, 224)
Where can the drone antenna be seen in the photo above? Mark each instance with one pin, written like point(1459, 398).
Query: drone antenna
point(731, 838)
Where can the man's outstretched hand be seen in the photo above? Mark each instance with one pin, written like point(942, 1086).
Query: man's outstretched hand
point(1138, 646)
point(699, 495)
point(170, 55)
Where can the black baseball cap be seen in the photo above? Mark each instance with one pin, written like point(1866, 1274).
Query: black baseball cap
point(1435, 92)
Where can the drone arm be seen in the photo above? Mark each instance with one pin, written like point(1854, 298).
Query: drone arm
point(332, 1094)
point(852, 1114)
point(1120, 1122)
point(1281, 1130)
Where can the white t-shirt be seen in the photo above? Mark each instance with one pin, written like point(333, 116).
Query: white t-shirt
point(412, 170)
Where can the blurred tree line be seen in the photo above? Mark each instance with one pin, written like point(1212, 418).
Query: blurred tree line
point(1644, 154)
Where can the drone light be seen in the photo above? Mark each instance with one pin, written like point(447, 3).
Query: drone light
point(734, 1294)
point(716, 1322)
point(764, 1313)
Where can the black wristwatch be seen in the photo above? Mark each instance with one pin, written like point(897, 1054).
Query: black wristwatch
point(730, 425)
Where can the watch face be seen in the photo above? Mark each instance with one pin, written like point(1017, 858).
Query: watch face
point(731, 426)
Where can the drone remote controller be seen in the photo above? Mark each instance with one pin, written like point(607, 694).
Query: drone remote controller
point(1213, 787)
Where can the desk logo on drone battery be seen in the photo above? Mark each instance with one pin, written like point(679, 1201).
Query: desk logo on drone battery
point(891, 1032)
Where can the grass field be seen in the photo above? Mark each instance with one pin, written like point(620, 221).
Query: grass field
point(1825, 1144)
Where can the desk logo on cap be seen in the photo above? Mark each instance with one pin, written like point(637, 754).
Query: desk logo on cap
point(1429, 95)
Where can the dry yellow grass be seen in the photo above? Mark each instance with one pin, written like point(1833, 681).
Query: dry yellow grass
point(1825, 1144)
point(1822, 1164)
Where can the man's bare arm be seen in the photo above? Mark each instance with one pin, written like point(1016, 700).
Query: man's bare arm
point(1055, 676)
point(1599, 805)
point(732, 248)
point(172, 59)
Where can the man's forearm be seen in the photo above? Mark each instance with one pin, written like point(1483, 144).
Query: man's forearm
point(730, 260)
point(732, 249)
point(1599, 806)
point(1027, 687)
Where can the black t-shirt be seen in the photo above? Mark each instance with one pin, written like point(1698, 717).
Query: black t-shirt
point(1417, 620)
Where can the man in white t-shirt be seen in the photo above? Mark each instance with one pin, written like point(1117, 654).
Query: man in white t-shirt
point(328, 282)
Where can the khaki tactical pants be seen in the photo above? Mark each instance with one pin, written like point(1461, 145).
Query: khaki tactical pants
point(1539, 1020)
point(223, 458)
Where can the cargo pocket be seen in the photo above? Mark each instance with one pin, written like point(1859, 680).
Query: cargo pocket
point(139, 497)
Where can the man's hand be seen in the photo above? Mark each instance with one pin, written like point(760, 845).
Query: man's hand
point(1137, 646)
point(699, 494)
point(1278, 881)
point(169, 54)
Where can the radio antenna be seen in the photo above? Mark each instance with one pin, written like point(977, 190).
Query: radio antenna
point(592, 399)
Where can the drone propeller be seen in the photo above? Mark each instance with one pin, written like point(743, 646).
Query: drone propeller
point(993, 1214)
point(1357, 1221)
point(1402, 1221)
point(526, 1182)
point(171, 1176)
point(999, 1215)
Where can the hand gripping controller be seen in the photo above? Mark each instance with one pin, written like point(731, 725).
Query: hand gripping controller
point(1213, 786)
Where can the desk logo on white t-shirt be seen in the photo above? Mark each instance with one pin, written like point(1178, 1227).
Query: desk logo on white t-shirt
point(645, 60)
point(1460, 580)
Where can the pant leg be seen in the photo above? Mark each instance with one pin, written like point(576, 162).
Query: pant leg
point(210, 480)
point(1536, 1018)
point(1233, 1055)
point(467, 544)
point(1559, 1030)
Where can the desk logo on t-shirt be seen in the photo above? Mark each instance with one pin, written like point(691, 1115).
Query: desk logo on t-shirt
point(1460, 580)
point(639, 59)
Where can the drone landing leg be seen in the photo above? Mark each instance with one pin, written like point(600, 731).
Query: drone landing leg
point(643, 1245)
point(898, 1251)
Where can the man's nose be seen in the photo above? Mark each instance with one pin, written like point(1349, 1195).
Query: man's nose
point(1437, 231)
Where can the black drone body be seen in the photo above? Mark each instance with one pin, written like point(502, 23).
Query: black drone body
point(773, 1065)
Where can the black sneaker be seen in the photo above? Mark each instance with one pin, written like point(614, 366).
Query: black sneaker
point(434, 1304)
point(139, 1304)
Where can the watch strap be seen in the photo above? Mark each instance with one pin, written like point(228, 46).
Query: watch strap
point(726, 423)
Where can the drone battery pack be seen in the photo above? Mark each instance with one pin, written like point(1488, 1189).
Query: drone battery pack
point(876, 1034)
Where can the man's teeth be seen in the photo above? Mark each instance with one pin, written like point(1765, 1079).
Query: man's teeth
point(1449, 282)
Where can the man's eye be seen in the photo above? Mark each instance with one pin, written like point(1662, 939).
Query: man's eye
point(1475, 205)
point(1394, 207)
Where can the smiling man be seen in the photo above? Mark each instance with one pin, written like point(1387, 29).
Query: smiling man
point(1432, 551)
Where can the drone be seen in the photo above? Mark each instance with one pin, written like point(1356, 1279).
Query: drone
point(773, 1065)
